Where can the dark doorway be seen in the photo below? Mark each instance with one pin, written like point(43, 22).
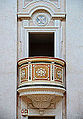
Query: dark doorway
point(41, 44)
point(41, 117)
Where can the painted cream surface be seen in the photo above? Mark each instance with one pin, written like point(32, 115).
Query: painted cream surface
point(74, 59)
point(8, 58)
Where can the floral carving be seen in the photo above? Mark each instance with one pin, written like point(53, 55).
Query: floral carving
point(41, 72)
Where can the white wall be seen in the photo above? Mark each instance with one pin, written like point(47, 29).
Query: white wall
point(74, 58)
point(8, 57)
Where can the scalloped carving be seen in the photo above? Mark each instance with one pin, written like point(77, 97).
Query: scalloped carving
point(42, 101)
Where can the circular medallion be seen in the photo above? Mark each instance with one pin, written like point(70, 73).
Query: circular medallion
point(41, 20)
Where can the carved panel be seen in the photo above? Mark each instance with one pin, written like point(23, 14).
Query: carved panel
point(23, 73)
point(42, 101)
point(41, 71)
point(41, 19)
point(58, 73)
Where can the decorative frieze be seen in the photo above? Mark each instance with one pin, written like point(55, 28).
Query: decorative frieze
point(42, 101)
point(52, 72)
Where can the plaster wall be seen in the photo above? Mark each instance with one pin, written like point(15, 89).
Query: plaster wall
point(74, 58)
point(8, 58)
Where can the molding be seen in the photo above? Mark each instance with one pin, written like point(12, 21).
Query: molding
point(25, 35)
point(48, 1)
point(39, 7)
point(61, 41)
point(55, 43)
point(42, 87)
point(41, 84)
point(25, 29)
point(41, 92)
point(56, 15)
point(40, 29)
point(57, 23)
point(25, 22)
point(42, 58)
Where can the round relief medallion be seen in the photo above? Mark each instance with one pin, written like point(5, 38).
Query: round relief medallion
point(41, 20)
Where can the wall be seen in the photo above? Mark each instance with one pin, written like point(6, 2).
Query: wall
point(74, 58)
point(8, 58)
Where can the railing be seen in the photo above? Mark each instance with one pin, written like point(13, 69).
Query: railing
point(41, 70)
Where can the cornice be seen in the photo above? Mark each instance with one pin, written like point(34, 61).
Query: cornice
point(56, 15)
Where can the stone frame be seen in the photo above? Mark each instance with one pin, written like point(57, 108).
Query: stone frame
point(25, 29)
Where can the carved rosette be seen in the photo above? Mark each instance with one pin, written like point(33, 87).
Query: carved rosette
point(41, 19)
point(41, 71)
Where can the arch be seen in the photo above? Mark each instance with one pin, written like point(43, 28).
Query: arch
point(48, 1)
point(41, 7)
